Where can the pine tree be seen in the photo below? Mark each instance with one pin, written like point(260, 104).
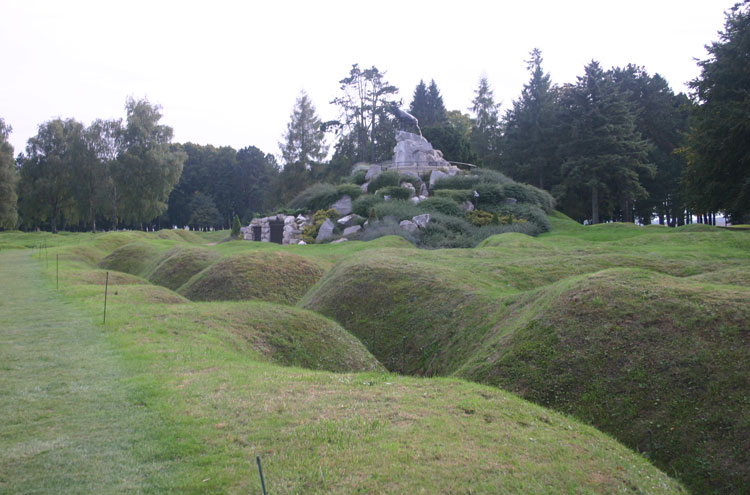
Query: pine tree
point(528, 145)
point(717, 175)
point(437, 115)
point(419, 106)
point(8, 179)
point(304, 141)
point(604, 154)
point(485, 132)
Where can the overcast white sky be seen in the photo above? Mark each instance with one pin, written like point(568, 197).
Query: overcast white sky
point(228, 72)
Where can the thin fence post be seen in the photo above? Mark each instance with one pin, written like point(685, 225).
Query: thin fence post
point(260, 473)
point(57, 271)
point(106, 285)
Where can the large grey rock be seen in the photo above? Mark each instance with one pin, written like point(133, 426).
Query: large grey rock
point(364, 187)
point(423, 190)
point(467, 206)
point(343, 206)
point(435, 175)
point(352, 230)
point(349, 220)
point(422, 220)
point(373, 171)
point(410, 187)
point(413, 150)
point(326, 230)
point(408, 225)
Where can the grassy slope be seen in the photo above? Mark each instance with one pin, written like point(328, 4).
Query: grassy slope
point(219, 404)
point(472, 312)
point(73, 420)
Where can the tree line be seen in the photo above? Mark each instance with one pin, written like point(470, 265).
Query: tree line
point(618, 144)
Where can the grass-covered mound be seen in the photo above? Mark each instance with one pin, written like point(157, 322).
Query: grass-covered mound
point(282, 334)
point(739, 276)
point(135, 258)
point(657, 361)
point(100, 277)
point(278, 276)
point(179, 264)
point(414, 317)
point(454, 311)
point(179, 235)
point(207, 405)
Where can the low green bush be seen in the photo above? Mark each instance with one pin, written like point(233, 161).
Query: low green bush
point(351, 190)
point(489, 195)
point(358, 177)
point(529, 212)
point(457, 182)
point(362, 205)
point(442, 205)
point(384, 179)
point(310, 232)
point(457, 195)
point(382, 228)
point(398, 208)
point(481, 218)
point(316, 197)
point(395, 192)
point(489, 176)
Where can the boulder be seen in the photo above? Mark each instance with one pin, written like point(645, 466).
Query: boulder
point(467, 206)
point(352, 230)
point(343, 206)
point(337, 241)
point(349, 220)
point(364, 187)
point(421, 221)
point(410, 187)
point(373, 171)
point(301, 243)
point(408, 226)
point(326, 230)
point(423, 190)
point(435, 175)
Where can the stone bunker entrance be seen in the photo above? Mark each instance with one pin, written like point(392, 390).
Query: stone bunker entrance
point(277, 231)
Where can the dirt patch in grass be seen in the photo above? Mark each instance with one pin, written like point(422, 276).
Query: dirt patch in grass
point(258, 275)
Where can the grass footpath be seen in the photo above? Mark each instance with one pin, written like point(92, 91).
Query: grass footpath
point(71, 419)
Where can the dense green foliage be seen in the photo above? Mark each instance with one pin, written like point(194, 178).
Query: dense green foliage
point(718, 172)
point(8, 179)
point(304, 139)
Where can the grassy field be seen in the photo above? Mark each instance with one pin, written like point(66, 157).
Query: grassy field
point(639, 331)
point(173, 396)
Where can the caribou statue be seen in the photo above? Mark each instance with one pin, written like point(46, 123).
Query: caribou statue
point(405, 118)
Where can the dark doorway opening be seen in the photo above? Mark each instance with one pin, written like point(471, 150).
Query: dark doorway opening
point(277, 231)
point(256, 232)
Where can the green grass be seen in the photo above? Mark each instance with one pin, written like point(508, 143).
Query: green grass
point(74, 414)
point(197, 394)
point(261, 275)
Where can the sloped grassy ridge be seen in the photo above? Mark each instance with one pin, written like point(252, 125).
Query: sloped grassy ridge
point(649, 353)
